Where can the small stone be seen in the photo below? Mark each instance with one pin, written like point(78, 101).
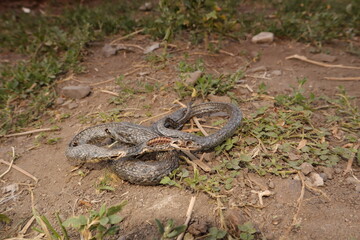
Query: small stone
point(276, 220)
point(324, 176)
point(271, 184)
point(151, 48)
point(198, 227)
point(338, 170)
point(193, 77)
point(357, 188)
point(306, 168)
point(76, 92)
point(59, 101)
point(316, 179)
point(324, 57)
point(276, 72)
point(72, 105)
point(351, 180)
point(209, 156)
point(146, 7)
point(328, 171)
point(257, 69)
point(263, 37)
point(223, 99)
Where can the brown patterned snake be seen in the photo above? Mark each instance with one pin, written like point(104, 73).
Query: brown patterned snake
point(144, 155)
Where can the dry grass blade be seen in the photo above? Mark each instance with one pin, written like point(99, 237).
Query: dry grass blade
point(343, 78)
point(305, 59)
point(188, 216)
point(11, 163)
point(348, 168)
point(127, 36)
point(20, 170)
point(31, 132)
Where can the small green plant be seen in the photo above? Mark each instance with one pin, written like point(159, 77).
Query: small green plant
point(247, 231)
point(169, 231)
point(104, 183)
point(47, 228)
point(98, 224)
point(215, 233)
point(4, 218)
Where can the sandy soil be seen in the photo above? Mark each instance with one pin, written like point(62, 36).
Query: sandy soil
point(336, 216)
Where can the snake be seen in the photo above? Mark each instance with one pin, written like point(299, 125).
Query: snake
point(144, 155)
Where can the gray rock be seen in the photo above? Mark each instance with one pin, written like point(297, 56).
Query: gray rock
point(328, 171)
point(72, 105)
point(223, 99)
point(276, 72)
point(316, 179)
point(193, 77)
point(271, 184)
point(338, 170)
point(257, 69)
point(357, 188)
point(322, 57)
point(151, 48)
point(59, 101)
point(324, 176)
point(351, 180)
point(263, 37)
point(76, 92)
point(306, 168)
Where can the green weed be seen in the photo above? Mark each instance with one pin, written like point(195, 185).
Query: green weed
point(169, 231)
point(51, 45)
point(277, 138)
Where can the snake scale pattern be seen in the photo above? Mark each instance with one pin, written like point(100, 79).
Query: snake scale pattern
point(144, 155)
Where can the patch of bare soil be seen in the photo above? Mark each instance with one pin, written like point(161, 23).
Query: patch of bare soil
point(330, 213)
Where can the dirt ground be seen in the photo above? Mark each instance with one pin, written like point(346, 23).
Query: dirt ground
point(332, 215)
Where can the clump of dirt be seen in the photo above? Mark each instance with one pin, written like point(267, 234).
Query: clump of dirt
point(329, 213)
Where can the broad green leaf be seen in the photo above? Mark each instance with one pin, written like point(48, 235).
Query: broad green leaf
point(160, 226)
point(114, 219)
point(115, 209)
point(104, 220)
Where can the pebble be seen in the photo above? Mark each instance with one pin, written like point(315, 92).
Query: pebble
point(257, 69)
point(271, 184)
point(276, 72)
point(328, 171)
point(324, 176)
point(263, 37)
point(351, 180)
point(316, 179)
point(223, 99)
point(151, 48)
point(198, 227)
point(193, 77)
point(76, 92)
point(59, 101)
point(72, 105)
point(357, 188)
point(338, 170)
point(306, 168)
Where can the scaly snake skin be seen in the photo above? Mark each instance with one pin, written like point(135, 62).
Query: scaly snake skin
point(144, 155)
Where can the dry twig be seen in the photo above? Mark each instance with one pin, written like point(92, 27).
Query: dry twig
point(305, 59)
point(343, 78)
point(11, 163)
point(351, 160)
point(20, 170)
point(188, 216)
point(109, 92)
point(127, 36)
point(31, 132)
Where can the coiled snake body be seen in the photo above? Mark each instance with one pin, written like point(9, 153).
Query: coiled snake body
point(144, 155)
